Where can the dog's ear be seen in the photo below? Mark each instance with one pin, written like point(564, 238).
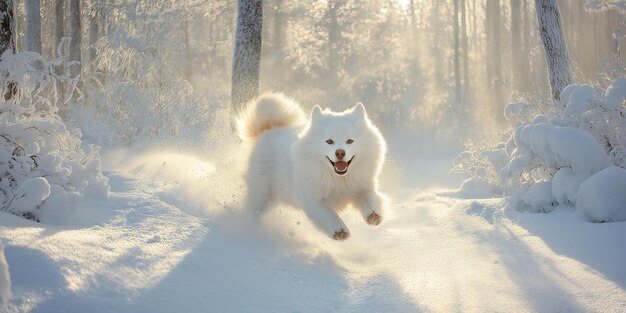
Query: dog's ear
point(359, 111)
point(316, 112)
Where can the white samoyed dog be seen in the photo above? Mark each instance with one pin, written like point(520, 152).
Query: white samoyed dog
point(323, 165)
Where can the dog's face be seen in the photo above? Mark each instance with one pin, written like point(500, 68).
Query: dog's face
point(342, 140)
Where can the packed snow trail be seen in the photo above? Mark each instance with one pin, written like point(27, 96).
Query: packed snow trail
point(172, 239)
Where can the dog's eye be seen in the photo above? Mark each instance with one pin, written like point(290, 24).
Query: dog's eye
point(350, 141)
point(330, 141)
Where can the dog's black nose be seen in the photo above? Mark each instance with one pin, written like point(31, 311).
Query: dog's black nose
point(340, 153)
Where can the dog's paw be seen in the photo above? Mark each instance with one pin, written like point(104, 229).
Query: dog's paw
point(341, 234)
point(374, 218)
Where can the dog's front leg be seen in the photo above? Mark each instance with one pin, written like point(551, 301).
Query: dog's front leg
point(325, 218)
point(372, 204)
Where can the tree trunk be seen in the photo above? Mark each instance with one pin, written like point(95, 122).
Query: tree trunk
point(188, 62)
point(525, 59)
point(7, 26)
point(557, 58)
point(211, 43)
point(516, 44)
point(104, 29)
point(497, 60)
point(33, 26)
point(435, 49)
point(5, 280)
point(247, 54)
point(497, 41)
point(472, 7)
point(75, 53)
point(94, 30)
point(333, 39)
point(457, 67)
point(493, 56)
point(7, 39)
point(413, 32)
point(58, 25)
point(278, 26)
point(466, 79)
point(488, 42)
point(75, 34)
point(58, 50)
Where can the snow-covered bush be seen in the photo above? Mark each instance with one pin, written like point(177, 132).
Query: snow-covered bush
point(602, 197)
point(482, 165)
point(553, 152)
point(44, 171)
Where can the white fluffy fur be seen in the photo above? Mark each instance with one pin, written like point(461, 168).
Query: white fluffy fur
point(288, 161)
point(270, 110)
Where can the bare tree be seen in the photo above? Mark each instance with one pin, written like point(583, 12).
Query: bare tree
point(33, 25)
point(247, 54)
point(557, 58)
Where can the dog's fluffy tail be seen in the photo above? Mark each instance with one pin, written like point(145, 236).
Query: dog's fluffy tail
point(269, 110)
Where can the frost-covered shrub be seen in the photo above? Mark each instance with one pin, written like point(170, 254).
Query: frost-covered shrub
point(43, 169)
point(137, 86)
point(550, 155)
point(482, 164)
point(138, 110)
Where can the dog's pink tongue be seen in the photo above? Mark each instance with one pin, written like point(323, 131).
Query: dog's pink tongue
point(341, 166)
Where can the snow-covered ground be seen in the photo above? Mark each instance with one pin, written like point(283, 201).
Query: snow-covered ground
point(171, 238)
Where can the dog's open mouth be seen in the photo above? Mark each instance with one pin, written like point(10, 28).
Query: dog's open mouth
point(341, 167)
